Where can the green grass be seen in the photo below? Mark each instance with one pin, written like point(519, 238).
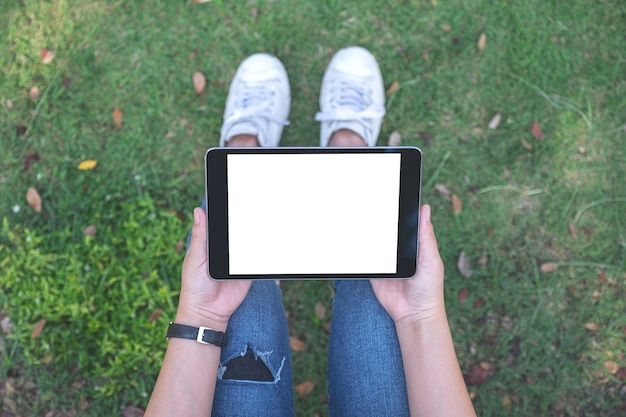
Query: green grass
point(558, 64)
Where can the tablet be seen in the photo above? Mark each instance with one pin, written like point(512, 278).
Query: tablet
point(312, 213)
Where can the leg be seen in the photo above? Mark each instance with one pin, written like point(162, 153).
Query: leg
point(255, 365)
point(365, 373)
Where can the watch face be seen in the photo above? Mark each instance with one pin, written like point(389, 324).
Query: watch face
point(312, 213)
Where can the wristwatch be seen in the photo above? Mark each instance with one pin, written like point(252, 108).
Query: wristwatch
point(200, 334)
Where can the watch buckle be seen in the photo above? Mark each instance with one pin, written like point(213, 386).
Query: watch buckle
point(200, 337)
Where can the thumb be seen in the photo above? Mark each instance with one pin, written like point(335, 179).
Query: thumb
point(428, 252)
point(197, 253)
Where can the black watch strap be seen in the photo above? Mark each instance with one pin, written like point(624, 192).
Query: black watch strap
point(202, 335)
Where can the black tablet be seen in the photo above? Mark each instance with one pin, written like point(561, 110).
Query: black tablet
point(312, 213)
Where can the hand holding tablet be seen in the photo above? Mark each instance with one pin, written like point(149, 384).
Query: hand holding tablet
point(312, 213)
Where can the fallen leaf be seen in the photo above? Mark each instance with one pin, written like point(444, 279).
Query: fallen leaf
point(90, 230)
point(46, 55)
point(199, 82)
point(462, 295)
point(5, 325)
point(463, 265)
point(443, 191)
point(34, 199)
point(132, 411)
point(178, 247)
point(117, 117)
point(320, 310)
point(506, 402)
point(426, 137)
point(482, 42)
point(479, 302)
point(527, 145)
point(87, 164)
point(477, 375)
point(155, 315)
point(395, 139)
point(29, 158)
point(537, 133)
point(495, 121)
point(393, 88)
point(548, 267)
point(305, 388)
point(457, 204)
point(9, 104)
point(201, 1)
point(572, 230)
point(483, 260)
point(621, 373)
point(38, 329)
point(592, 326)
point(33, 94)
point(296, 344)
point(603, 279)
point(611, 367)
point(446, 28)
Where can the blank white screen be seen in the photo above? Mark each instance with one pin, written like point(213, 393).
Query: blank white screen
point(313, 213)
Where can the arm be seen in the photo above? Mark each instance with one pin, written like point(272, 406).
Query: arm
point(186, 383)
point(434, 381)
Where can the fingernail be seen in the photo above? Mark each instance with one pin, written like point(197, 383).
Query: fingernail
point(427, 213)
point(196, 217)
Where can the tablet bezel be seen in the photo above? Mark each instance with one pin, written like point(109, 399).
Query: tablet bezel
point(216, 189)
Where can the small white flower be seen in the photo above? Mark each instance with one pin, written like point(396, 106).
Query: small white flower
point(39, 176)
point(137, 177)
point(16, 208)
point(87, 268)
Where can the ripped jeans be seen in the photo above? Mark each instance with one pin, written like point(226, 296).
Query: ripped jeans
point(365, 372)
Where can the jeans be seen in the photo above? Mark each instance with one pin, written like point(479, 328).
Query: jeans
point(365, 372)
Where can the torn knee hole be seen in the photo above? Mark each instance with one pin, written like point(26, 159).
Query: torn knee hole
point(247, 368)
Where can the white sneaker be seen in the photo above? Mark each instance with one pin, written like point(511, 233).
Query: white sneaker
point(352, 95)
point(258, 101)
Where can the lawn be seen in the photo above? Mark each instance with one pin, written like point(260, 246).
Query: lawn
point(519, 108)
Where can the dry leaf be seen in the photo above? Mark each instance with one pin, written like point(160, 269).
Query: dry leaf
point(477, 375)
point(482, 42)
point(495, 121)
point(90, 230)
point(33, 94)
point(199, 82)
point(393, 88)
point(9, 104)
point(38, 329)
point(548, 267)
point(395, 139)
point(155, 315)
point(296, 344)
point(117, 117)
point(46, 55)
point(305, 388)
point(463, 265)
point(537, 133)
point(621, 373)
point(603, 279)
point(479, 302)
point(446, 28)
point(611, 367)
point(132, 411)
point(506, 402)
point(572, 230)
point(457, 204)
point(483, 260)
point(462, 295)
point(6, 326)
point(87, 164)
point(320, 310)
point(443, 191)
point(527, 145)
point(201, 1)
point(178, 247)
point(592, 326)
point(34, 199)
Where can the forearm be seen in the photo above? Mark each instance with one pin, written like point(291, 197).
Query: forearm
point(434, 381)
point(186, 383)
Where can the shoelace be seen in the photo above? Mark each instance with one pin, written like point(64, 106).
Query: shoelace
point(255, 107)
point(352, 103)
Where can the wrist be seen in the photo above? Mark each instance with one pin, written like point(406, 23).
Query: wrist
point(196, 318)
point(425, 318)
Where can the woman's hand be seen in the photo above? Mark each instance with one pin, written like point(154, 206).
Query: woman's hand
point(204, 301)
point(420, 297)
